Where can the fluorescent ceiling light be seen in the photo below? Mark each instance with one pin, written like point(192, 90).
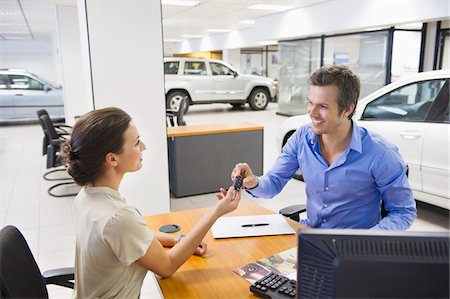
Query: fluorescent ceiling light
point(217, 30)
point(270, 7)
point(180, 2)
point(191, 36)
point(8, 12)
point(247, 22)
point(173, 40)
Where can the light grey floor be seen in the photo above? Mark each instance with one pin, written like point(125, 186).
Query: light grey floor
point(47, 222)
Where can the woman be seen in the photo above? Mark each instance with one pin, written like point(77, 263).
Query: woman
point(114, 247)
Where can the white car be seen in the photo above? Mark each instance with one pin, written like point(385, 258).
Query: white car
point(23, 93)
point(205, 81)
point(413, 114)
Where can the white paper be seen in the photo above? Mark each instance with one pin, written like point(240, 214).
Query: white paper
point(233, 226)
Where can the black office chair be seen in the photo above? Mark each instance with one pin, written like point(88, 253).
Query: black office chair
point(294, 211)
point(20, 276)
point(61, 129)
point(176, 117)
point(53, 159)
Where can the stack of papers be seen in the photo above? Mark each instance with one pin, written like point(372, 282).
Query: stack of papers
point(249, 226)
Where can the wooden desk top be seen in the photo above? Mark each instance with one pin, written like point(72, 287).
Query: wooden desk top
point(212, 129)
point(212, 276)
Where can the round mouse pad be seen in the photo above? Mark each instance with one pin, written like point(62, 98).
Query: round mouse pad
point(169, 228)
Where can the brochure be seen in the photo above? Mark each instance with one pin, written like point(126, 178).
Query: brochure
point(284, 263)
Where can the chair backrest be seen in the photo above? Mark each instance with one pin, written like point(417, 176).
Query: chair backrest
point(42, 112)
point(49, 128)
point(20, 276)
point(45, 141)
point(180, 112)
point(176, 118)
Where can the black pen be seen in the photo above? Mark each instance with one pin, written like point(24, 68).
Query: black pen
point(253, 225)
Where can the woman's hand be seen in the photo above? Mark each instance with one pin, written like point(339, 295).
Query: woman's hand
point(228, 200)
point(201, 249)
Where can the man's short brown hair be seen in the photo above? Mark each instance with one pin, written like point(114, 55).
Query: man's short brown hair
point(344, 79)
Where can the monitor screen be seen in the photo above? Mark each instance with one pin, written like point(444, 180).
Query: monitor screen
point(372, 264)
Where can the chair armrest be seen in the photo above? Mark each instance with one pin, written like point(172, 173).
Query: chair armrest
point(61, 277)
point(293, 211)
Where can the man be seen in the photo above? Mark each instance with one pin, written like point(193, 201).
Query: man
point(348, 170)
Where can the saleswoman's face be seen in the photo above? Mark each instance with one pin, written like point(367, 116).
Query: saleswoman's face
point(130, 159)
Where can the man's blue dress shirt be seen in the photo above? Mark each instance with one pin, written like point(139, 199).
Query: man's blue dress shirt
point(347, 193)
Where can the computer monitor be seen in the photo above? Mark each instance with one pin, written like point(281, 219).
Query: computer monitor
point(372, 264)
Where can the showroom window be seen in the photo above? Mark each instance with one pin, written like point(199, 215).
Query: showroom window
point(171, 67)
point(377, 57)
point(298, 59)
point(408, 103)
point(194, 68)
point(263, 61)
point(363, 53)
point(443, 50)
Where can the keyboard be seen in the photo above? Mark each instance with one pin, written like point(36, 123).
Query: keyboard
point(274, 286)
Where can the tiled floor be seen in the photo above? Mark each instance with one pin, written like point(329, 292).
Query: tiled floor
point(47, 222)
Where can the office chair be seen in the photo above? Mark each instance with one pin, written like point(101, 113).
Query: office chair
point(53, 159)
point(61, 129)
point(20, 276)
point(176, 117)
point(294, 211)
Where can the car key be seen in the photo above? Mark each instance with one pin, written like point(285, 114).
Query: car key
point(237, 184)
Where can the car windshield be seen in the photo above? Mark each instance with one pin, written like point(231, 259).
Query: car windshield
point(46, 82)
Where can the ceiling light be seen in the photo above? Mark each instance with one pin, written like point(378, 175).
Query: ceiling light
point(173, 40)
point(270, 7)
point(7, 12)
point(191, 36)
point(180, 2)
point(247, 22)
point(217, 30)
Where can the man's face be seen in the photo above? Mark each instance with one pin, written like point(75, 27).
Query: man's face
point(323, 109)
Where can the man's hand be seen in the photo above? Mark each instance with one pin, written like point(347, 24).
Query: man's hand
point(243, 169)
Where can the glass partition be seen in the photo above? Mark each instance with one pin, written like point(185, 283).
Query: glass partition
point(297, 60)
point(364, 53)
point(252, 62)
point(405, 54)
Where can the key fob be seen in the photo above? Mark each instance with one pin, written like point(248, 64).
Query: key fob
point(237, 183)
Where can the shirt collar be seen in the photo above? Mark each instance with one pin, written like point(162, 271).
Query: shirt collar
point(355, 141)
point(111, 193)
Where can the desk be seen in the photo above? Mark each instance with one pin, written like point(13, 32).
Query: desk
point(201, 157)
point(212, 276)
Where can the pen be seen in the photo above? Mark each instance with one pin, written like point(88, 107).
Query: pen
point(253, 225)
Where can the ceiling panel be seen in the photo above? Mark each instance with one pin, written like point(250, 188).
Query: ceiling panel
point(35, 19)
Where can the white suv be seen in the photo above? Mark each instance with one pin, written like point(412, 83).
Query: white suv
point(204, 81)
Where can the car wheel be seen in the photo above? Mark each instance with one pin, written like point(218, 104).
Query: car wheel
point(259, 99)
point(174, 98)
point(298, 175)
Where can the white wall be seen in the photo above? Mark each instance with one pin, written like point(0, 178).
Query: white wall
point(126, 52)
point(75, 101)
point(232, 57)
point(35, 56)
point(330, 17)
